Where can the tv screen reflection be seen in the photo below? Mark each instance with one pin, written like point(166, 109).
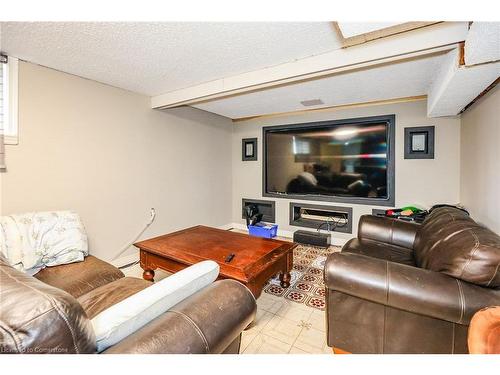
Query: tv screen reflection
point(341, 160)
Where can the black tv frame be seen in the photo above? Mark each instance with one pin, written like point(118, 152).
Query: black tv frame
point(391, 165)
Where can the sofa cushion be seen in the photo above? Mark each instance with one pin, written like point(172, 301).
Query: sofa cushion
point(80, 278)
point(38, 318)
point(127, 316)
point(436, 221)
point(101, 298)
point(387, 230)
point(454, 244)
point(451, 212)
point(432, 230)
point(380, 250)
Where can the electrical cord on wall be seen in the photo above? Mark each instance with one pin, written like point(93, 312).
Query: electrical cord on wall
point(130, 243)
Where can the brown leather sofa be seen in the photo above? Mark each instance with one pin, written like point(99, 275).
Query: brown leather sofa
point(411, 288)
point(50, 313)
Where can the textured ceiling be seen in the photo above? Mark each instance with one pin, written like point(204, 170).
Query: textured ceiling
point(154, 58)
point(404, 79)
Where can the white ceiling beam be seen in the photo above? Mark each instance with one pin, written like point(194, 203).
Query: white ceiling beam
point(354, 33)
point(419, 42)
point(483, 43)
point(457, 85)
point(350, 29)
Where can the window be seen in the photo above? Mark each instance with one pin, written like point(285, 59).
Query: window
point(8, 99)
point(301, 147)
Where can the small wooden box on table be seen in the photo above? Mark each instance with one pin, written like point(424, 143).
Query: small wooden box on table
point(255, 259)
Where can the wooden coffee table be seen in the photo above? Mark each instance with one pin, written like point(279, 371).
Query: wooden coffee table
point(255, 259)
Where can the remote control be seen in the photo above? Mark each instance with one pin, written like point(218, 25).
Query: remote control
point(229, 258)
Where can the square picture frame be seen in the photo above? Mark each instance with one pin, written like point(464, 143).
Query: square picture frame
point(249, 149)
point(419, 142)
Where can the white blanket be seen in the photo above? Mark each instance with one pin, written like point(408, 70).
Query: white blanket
point(35, 240)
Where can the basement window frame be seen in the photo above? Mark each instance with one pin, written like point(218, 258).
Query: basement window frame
point(11, 105)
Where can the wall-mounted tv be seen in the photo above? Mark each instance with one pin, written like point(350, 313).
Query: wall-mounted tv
point(350, 161)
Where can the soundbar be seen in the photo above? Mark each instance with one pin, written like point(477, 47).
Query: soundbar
point(312, 238)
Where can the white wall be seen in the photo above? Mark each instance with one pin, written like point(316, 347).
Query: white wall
point(424, 182)
point(480, 162)
point(104, 153)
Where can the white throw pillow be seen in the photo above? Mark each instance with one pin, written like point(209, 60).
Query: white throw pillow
point(35, 240)
point(124, 318)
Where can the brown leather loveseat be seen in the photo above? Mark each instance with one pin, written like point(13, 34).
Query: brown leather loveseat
point(411, 288)
point(50, 313)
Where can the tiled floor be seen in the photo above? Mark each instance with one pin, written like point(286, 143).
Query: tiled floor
point(285, 327)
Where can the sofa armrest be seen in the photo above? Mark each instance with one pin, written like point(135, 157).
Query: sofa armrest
point(387, 230)
point(484, 331)
point(206, 322)
point(408, 288)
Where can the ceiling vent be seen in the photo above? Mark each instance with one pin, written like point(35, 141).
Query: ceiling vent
point(308, 103)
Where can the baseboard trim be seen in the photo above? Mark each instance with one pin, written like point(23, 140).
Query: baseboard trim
point(226, 226)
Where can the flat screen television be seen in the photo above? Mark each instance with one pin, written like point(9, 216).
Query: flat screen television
point(349, 161)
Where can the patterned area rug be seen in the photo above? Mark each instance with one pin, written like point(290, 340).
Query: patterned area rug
point(307, 284)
